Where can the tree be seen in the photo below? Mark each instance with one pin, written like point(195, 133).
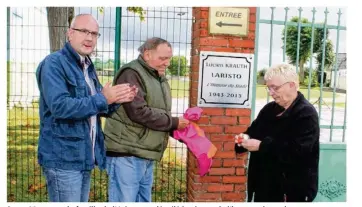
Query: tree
point(329, 58)
point(305, 41)
point(59, 19)
point(304, 47)
point(178, 66)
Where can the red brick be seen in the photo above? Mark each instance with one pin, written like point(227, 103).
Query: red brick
point(194, 76)
point(212, 129)
point(252, 18)
point(210, 179)
point(218, 145)
point(213, 42)
point(212, 111)
point(194, 84)
point(235, 129)
point(197, 14)
point(207, 196)
point(207, 48)
point(222, 137)
point(220, 188)
point(243, 120)
point(234, 179)
point(203, 120)
point(227, 154)
point(193, 92)
point(240, 171)
point(240, 43)
point(195, 60)
point(229, 146)
point(204, 14)
point(252, 10)
point(233, 163)
point(251, 27)
point(223, 120)
point(237, 112)
point(204, 24)
point(223, 49)
point(240, 187)
point(197, 186)
point(203, 33)
point(232, 196)
point(222, 171)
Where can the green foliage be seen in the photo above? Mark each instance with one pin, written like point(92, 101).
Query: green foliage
point(261, 73)
point(139, 11)
point(329, 56)
point(178, 66)
point(292, 41)
point(313, 80)
point(305, 45)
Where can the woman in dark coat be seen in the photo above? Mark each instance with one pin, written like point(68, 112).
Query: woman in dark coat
point(283, 143)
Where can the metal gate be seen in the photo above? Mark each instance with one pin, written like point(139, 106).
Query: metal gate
point(297, 36)
point(122, 33)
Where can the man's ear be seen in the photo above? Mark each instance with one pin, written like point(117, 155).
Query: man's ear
point(69, 33)
point(147, 55)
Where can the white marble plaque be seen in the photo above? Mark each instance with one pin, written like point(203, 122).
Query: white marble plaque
point(225, 80)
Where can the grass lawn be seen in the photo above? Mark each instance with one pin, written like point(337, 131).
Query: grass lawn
point(25, 182)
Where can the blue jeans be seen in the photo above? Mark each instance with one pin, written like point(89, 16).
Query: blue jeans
point(129, 179)
point(67, 185)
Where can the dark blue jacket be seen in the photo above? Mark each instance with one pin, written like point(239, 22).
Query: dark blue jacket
point(66, 104)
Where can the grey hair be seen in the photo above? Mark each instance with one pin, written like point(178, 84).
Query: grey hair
point(285, 71)
point(152, 44)
point(79, 15)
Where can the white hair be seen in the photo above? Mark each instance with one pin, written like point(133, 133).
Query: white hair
point(284, 71)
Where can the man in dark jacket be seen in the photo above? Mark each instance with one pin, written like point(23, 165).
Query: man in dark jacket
point(71, 101)
point(137, 133)
point(283, 144)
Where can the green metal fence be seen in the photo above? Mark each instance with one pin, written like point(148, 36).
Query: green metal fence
point(307, 37)
point(312, 39)
point(122, 33)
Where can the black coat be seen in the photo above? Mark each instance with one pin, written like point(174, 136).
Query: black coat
point(286, 165)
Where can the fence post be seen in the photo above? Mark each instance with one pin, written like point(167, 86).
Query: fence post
point(8, 55)
point(117, 45)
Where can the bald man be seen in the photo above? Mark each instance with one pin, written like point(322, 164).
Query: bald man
point(71, 101)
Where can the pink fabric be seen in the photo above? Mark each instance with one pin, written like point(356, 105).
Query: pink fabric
point(195, 140)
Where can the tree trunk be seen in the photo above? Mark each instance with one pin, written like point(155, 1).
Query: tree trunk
point(301, 72)
point(59, 19)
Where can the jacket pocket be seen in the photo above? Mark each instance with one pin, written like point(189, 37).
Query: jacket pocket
point(77, 87)
point(154, 141)
point(69, 141)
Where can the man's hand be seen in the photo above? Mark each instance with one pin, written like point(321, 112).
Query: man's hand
point(128, 97)
point(182, 123)
point(251, 144)
point(119, 93)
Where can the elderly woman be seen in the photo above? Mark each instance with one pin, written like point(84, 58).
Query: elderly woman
point(283, 142)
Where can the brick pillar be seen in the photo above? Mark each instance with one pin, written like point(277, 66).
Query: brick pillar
point(226, 180)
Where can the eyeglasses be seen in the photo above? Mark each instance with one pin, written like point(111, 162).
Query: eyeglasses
point(87, 32)
point(275, 88)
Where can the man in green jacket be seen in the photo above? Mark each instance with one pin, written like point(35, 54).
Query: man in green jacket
point(137, 133)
